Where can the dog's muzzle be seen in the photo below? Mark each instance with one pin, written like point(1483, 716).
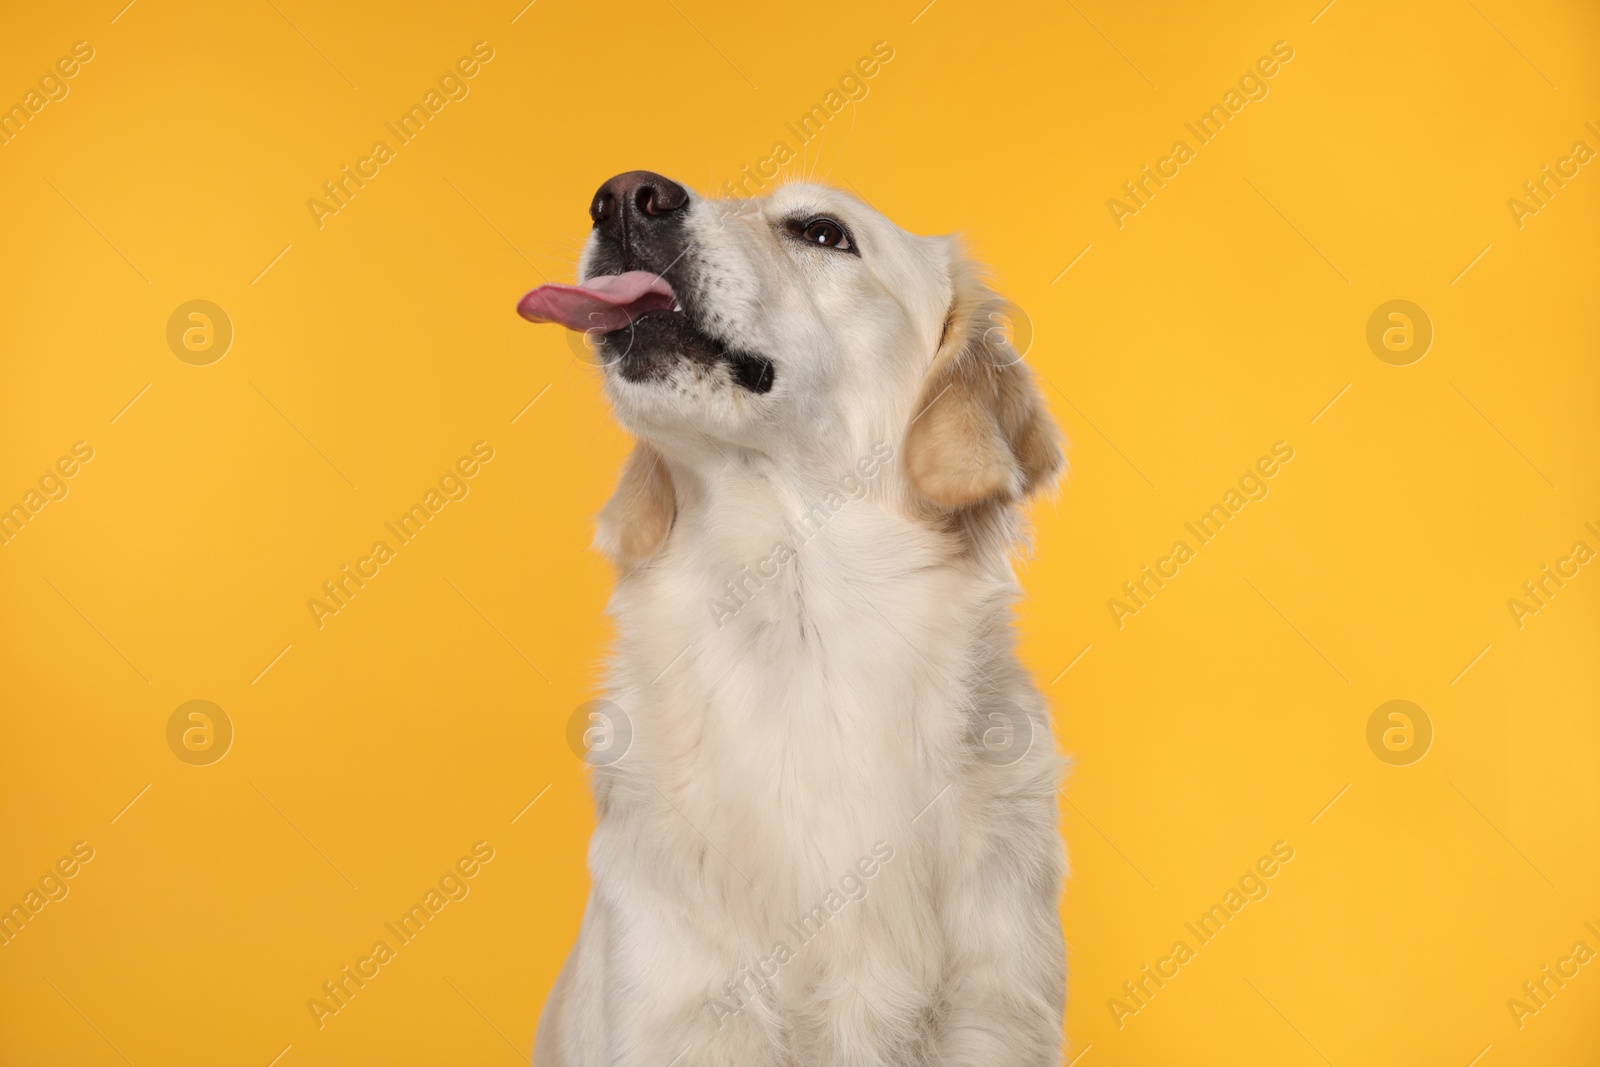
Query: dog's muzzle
point(633, 302)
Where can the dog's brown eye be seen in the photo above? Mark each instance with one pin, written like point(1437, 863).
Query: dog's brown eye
point(827, 233)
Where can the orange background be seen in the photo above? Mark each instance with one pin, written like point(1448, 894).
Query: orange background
point(369, 354)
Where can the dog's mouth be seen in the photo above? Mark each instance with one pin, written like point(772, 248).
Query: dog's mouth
point(641, 327)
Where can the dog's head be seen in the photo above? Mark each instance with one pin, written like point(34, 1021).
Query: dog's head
point(801, 326)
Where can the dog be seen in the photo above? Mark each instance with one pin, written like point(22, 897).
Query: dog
point(832, 838)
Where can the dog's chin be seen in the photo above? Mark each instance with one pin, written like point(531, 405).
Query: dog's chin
point(659, 344)
point(667, 377)
point(668, 381)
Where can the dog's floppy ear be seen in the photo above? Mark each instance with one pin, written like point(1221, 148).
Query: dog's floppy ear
point(636, 519)
point(980, 430)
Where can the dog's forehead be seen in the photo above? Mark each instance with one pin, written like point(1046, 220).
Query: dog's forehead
point(914, 270)
point(809, 198)
point(795, 196)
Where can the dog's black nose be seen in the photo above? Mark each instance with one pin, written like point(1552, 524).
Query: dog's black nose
point(639, 193)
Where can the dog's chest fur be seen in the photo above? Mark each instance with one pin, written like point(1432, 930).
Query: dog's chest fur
point(781, 734)
point(823, 695)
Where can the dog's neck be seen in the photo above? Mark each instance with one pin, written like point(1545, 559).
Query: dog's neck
point(784, 639)
point(764, 555)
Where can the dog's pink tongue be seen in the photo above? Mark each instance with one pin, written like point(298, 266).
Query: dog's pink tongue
point(605, 303)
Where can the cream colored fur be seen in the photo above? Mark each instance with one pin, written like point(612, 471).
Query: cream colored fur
point(855, 699)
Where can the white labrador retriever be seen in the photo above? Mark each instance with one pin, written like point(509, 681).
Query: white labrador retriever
point(832, 838)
